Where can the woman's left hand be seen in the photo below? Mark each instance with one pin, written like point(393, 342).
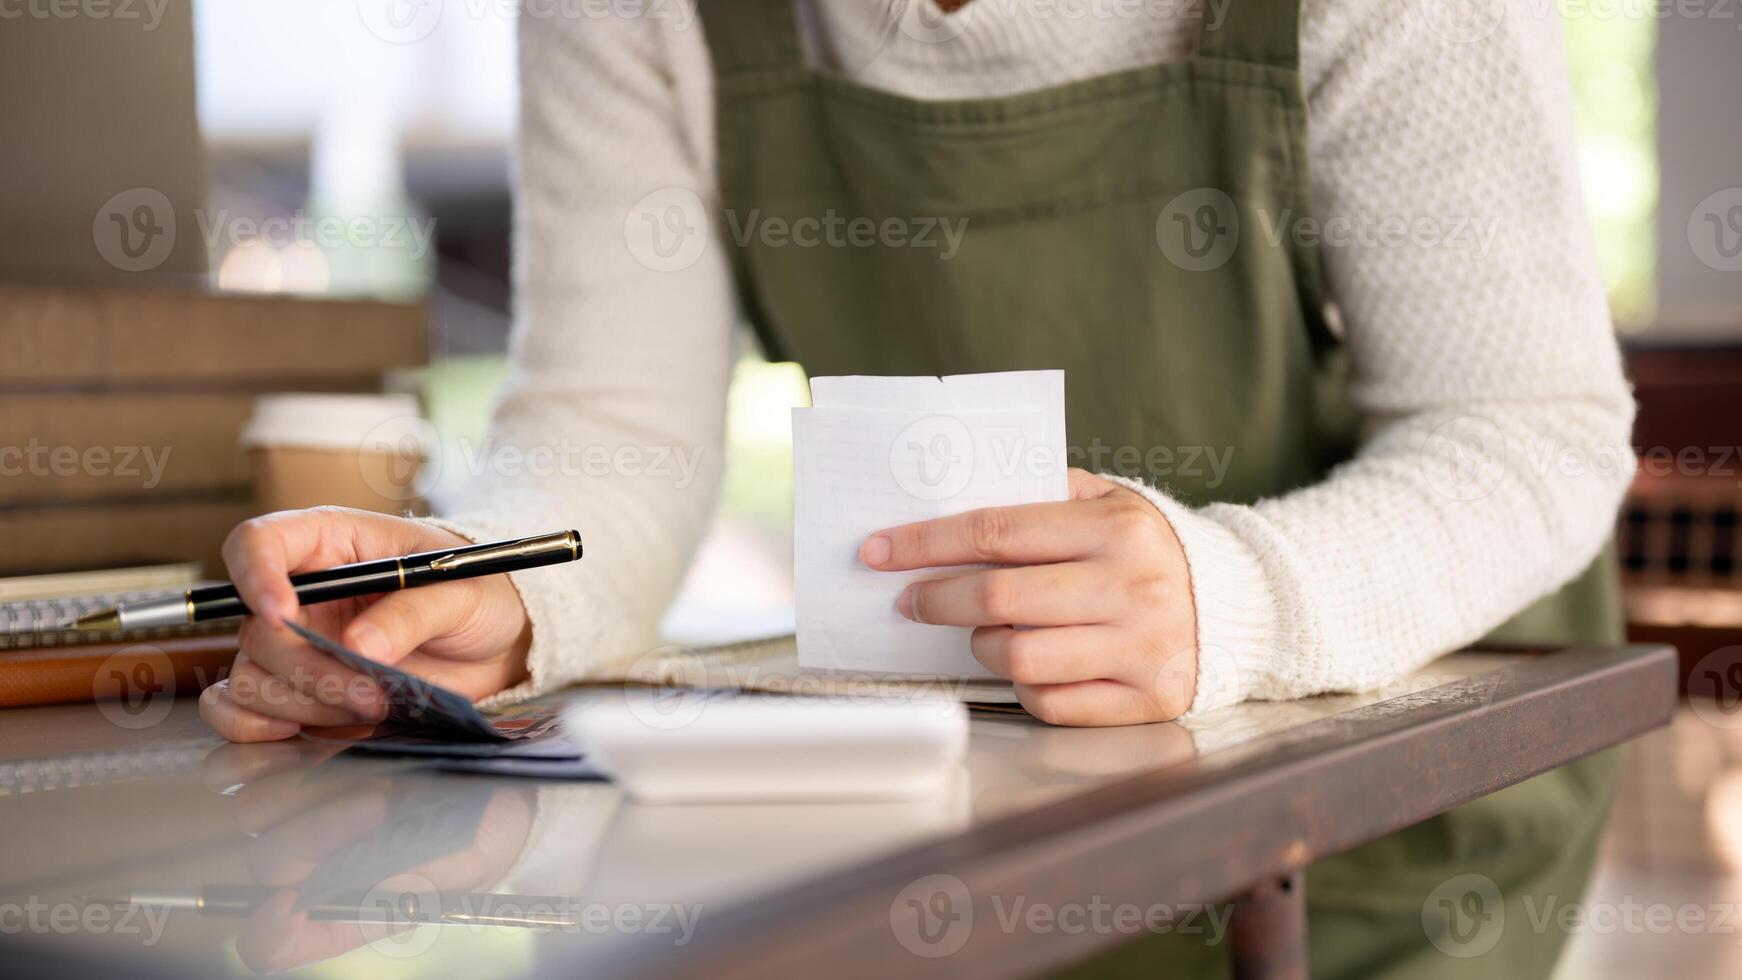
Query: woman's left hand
point(1098, 583)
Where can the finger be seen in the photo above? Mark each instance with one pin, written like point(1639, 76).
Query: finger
point(1027, 534)
point(1066, 594)
point(237, 723)
point(267, 802)
point(1091, 703)
point(288, 851)
point(262, 553)
point(1088, 486)
point(1135, 748)
point(1056, 655)
point(310, 671)
point(254, 688)
point(229, 769)
point(274, 939)
point(400, 622)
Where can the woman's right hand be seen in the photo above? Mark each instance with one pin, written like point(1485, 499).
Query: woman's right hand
point(470, 636)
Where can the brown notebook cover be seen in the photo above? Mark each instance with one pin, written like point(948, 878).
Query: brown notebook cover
point(179, 667)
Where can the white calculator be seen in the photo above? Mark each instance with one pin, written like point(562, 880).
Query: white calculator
point(677, 745)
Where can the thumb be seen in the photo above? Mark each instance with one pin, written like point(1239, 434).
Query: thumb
point(400, 622)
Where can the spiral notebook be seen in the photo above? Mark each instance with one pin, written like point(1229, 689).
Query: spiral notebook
point(36, 610)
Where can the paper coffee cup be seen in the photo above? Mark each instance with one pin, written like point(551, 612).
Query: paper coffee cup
point(363, 451)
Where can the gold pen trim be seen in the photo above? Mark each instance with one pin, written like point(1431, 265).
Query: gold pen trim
point(525, 546)
point(400, 564)
point(189, 596)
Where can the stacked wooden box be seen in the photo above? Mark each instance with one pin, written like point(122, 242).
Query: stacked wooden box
point(120, 411)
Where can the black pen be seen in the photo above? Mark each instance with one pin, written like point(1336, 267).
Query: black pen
point(345, 581)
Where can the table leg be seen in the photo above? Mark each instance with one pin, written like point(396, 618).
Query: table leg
point(1268, 931)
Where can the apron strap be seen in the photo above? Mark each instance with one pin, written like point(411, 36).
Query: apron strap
point(1264, 32)
point(751, 35)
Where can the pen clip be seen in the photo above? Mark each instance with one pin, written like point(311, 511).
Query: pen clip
point(567, 540)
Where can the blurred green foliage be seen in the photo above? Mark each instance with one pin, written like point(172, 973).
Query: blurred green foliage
point(459, 393)
point(1610, 47)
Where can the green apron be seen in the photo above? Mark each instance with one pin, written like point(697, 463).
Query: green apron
point(1116, 228)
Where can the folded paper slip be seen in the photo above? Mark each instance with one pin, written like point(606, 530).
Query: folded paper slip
point(873, 453)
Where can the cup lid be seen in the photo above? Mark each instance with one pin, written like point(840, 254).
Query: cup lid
point(347, 423)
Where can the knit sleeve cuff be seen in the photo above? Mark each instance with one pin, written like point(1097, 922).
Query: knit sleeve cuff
point(553, 608)
point(1236, 609)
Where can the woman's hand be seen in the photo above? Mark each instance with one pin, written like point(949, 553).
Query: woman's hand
point(1098, 584)
point(470, 636)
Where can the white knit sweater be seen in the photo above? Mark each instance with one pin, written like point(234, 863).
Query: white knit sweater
point(1495, 452)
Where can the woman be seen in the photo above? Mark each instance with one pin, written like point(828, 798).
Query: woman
point(1143, 202)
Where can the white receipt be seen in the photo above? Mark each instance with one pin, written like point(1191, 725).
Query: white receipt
point(873, 453)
